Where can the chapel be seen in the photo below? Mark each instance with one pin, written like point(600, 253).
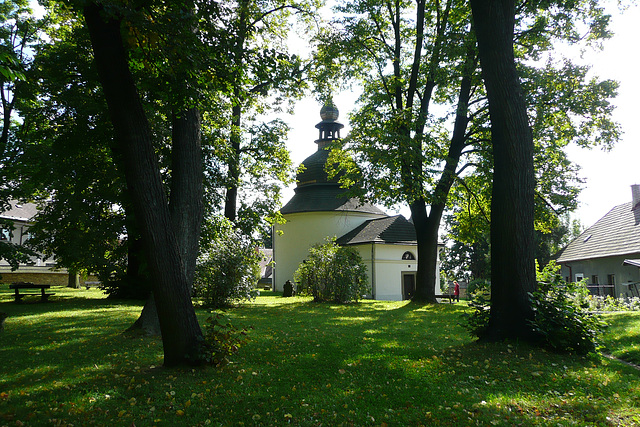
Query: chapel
point(319, 210)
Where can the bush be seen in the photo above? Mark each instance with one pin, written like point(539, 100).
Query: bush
point(478, 286)
point(609, 303)
point(229, 272)
point(479, 294)
point(560, 315)
point(561, 318)
point(332, 273)
point(221, 340)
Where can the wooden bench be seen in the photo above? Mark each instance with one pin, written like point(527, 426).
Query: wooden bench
point(18, 286)
point(451, 297)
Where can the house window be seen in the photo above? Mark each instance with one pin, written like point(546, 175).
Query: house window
point(408, 256)
point(594, 279)
point(611, 279)
point(5, 234)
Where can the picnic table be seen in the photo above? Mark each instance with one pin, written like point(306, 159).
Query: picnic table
point(18, 286)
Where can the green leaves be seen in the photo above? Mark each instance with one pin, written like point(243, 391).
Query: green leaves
point(333, 273)
point(559, 318)
point(228, 271)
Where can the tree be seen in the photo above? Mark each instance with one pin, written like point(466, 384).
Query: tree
point(405, 151)
point(261, 76)
point(19, 32)
point(513, 273)
point(66, 162)
point(403, 64)
point(180, 330)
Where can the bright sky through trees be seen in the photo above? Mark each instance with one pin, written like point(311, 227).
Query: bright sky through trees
point(609, 175)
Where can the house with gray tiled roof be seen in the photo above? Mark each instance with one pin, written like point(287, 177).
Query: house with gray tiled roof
point(319, 210)
point(607, 254)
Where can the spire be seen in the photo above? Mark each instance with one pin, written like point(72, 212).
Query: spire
point(329, 127)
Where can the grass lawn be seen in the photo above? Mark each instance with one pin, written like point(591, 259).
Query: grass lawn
point(374, 363)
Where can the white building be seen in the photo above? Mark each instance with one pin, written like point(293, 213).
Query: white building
point(319, 210)
point(14, 229)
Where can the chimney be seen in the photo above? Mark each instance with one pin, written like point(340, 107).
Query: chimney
point(635, 196)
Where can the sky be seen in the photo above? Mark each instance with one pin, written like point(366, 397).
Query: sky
point(608, 175)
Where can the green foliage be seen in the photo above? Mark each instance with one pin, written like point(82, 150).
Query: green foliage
point(561, 313)
point(229, 271)
point(609, 303)
point(221, 340)
point(332, 273)
point(479, 286)
point(562, 322)
point(477, 322)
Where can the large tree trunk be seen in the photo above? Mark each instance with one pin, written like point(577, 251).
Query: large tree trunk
point(427, 253)
point(427, 226)
point(512, 203)
point(178, 323)
point(185, 203)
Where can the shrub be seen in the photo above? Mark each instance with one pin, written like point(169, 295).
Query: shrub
point(229, 272)
point(332, 273)
point(561, 318)
point(478, 286)
point(477, 321)
point(608, 303)
point(560, 315)
point(221, 340)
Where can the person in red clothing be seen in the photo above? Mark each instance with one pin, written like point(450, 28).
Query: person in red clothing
point(456, 290)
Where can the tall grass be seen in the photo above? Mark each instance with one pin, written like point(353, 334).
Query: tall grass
point(373, 363)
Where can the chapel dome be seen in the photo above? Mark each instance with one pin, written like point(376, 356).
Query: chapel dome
point(313, 170)
point(315, 192)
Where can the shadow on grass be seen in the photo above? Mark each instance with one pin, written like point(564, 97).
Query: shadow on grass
point(306, 364)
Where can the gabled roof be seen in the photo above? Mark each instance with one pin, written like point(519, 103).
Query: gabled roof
point(393, 229)
point(20, 211)
point(615, 234)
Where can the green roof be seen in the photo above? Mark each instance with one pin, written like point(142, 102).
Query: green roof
point(326, 198)
point(393, 229)
point(317, 193)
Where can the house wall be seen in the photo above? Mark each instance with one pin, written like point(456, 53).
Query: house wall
point(41, 276)
point(292, 240)
point(603, 267)
point(19, 235)
point(38, 275)
point(385, 260)
point(389, 268)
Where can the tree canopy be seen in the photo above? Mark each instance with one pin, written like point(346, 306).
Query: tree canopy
point(422, 123)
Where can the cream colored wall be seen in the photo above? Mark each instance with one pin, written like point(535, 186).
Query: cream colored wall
point(389, 268)
point(303, 230)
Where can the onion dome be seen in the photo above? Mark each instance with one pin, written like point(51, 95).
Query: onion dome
point(329, 113)
point(315, 191)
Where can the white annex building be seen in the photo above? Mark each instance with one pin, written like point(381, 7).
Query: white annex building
point(318, 210)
